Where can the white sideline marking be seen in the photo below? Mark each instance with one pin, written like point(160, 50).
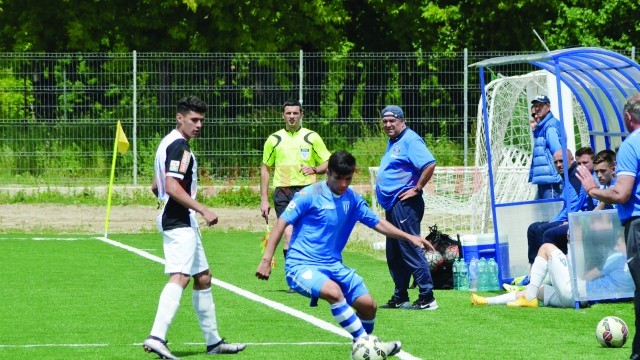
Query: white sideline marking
point(52, 345)
point(46, 238)
point(278, 343)
point(188, 344)
point(249, 295)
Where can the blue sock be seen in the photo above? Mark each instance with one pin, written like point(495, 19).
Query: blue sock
point(368, 325)
point(347, 318)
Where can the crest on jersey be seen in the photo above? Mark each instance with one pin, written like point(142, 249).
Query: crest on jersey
point(345, 206)
point(395, 151)
point(291, 206)
point(304, 153)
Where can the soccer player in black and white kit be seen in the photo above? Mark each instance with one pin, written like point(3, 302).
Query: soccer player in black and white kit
point(175, 185)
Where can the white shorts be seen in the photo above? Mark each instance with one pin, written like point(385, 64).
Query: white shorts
point(183, 251)
point(559, 294)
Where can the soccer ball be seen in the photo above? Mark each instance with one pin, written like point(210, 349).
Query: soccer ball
point(451, 253)
point(368, 347)
point(612, 332)
point(434, 258)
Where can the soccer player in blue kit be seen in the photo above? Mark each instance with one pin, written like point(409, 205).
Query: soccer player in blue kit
point(323, 215)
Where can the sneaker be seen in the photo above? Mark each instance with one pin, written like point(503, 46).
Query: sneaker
point(523, 302)
point(520, 281)
point(394, 303)
point(223, 347)
point(478, 300)
point(512, 288)
point(158, 346)
point(391, 348)
point(424, 303)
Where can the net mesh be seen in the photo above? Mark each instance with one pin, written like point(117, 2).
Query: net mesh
point(458, 199)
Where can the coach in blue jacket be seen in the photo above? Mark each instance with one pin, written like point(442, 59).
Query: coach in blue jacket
point(405, 168)
point(546, 141)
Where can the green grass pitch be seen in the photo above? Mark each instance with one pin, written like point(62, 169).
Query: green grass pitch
point(76, 297)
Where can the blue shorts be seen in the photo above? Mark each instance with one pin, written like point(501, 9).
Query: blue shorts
point(308, 279)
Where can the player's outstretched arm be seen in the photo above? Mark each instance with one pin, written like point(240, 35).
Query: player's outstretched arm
point(386, 228)
point(264, 268)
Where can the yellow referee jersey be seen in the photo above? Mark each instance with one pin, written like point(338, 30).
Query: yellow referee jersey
point(288, 152)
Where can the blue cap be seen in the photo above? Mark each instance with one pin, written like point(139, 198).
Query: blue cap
point(541, 98)
point(394, 111)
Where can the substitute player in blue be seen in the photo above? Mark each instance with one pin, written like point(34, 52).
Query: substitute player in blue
point(406, 167)
point(323, 216)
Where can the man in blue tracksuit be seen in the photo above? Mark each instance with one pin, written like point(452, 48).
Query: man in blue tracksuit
point(405, 168)
point(546, 141)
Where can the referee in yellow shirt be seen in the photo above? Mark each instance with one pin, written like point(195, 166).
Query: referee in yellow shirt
point(298, 155)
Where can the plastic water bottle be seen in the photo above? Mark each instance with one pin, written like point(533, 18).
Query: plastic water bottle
point(463, 272)
point(473, 274)
point(456, 274)
point(483, 275)
point(493, 275)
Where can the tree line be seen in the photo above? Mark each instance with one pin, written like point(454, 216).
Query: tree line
point(313, 25)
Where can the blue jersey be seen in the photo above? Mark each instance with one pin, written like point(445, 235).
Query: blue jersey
point(575, 195)
point(604, 187)
point(322, 223)
point(614, 277)
point(627, 160)
point(401, 166)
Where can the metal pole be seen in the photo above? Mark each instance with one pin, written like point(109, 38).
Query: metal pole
point(135, 119)
point(466, 107)
point(301, 72)
point(633, 53)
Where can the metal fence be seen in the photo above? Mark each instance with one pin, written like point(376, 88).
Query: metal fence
point(58, 112)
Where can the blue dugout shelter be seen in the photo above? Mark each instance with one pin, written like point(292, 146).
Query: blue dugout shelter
point(600, 81)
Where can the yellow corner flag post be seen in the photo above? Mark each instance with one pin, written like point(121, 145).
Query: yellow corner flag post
point(121, 144)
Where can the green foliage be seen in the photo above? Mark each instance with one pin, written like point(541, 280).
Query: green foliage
point(237, 196)
point(446, 152)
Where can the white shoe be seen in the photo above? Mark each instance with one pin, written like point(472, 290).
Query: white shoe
point(158, 346)
point(392, 347)
point(223, 347)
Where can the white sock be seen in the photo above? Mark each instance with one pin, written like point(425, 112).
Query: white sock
point(167, 309)
point(206, 313)
point(536, 277)
point(502, 299)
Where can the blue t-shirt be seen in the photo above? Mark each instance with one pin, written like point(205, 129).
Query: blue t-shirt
point(614, 277)
point(575, 194)
point(322, 223)
point(627, 160)
point(604, 187)
point(401, 166)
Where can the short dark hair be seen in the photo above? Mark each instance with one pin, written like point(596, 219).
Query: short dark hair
point(292, 102)
point(191, 103)
point(585, 151)
point(608, 156)
point(342, 163)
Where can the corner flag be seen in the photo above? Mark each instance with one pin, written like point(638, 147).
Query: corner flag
point(120, 145)
point(121, 139)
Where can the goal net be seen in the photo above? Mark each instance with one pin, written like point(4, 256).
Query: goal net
point(457, 199)
point(508, 109)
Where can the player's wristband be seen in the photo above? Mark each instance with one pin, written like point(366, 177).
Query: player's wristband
point(315, 171)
